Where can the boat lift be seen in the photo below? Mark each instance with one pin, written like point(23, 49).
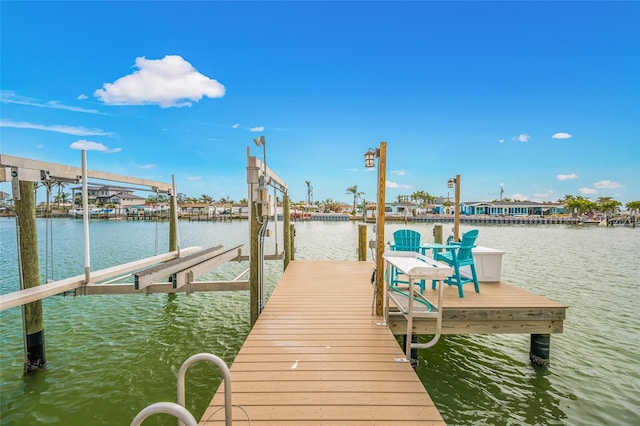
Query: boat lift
point(180, 267)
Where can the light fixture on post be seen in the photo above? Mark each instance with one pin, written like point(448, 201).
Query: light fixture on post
point(369, 161)
point(261, 141)
point(369, 157)
point(456, 219)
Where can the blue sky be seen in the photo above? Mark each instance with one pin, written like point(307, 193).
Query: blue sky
point(541, 98)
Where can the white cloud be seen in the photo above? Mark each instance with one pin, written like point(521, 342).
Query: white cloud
point(398, 172)
point(587, 191)
point(562, 135)
point(148, 166)
point(235, 126)
point(520, 197)
point(92, 146)
point(40, 146)
point(69, 130)
point(194, 178)
point(522, 138)
point(390, 184)
point(501, 140)
point(11, 98)
point(257, 129)
point(607, 184)
point(567, 177)
point(82, 97)
point(168, 82)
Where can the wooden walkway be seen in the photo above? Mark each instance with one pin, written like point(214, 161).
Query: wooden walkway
point(317, 356)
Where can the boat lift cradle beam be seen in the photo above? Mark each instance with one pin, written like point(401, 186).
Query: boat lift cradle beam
point(185, 269)
point(42, 291)
point(35, 171)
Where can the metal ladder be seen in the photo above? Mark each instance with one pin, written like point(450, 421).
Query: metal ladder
point(185, 418)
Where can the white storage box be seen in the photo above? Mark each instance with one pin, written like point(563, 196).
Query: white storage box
point(488, 263)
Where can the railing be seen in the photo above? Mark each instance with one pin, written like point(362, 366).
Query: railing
point(185, 418)
point(416, 267)
point(176, 410)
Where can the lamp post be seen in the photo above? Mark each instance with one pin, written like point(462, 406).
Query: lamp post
point(456, 218)
point(369, 161)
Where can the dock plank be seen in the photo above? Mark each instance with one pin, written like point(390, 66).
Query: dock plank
point(317, 355)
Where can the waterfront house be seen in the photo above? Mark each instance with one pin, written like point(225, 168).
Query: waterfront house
point(108, 194)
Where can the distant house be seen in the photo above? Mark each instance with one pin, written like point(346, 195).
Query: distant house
point(445, 206)
point(511, 208)
point(101, 195)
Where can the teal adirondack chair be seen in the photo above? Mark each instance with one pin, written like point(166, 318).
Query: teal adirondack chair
point(457, 255)
point(405, 240)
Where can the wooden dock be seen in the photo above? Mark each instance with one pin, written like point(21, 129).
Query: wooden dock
point(317, 355)
point(499, 308)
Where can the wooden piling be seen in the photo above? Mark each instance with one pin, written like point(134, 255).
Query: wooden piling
point(292, 232)
point(173, 225)
point(540, 348)
point(32, 318)
point(254, 231)
point(362, 242)
point(382, 176)
point(437, 233)
point(286, 220)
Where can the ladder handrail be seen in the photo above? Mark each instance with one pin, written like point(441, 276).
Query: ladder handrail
point(171, 408)
point(225, 373)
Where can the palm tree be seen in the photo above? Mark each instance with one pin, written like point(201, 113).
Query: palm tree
point(633, 206)
point(354, 190)
point(48, 184)
point(607, 204)
point(181, 198)
point(61, 198)
point(61, 186)
point(206, 199)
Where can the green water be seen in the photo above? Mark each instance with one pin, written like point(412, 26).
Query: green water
point(110, 356)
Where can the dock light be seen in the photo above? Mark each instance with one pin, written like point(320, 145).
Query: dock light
point(456, 219)
point(262, 142)
point(369, 157)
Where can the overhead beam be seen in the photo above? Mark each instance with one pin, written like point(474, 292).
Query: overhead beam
point(255, 167)
point(35, 171)
point(32, 294)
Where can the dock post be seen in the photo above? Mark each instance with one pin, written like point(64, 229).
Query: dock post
point(254, 296)
point(540, 347)
point(29, 264)
point(380, 219)
point(414, 351)
point(437, 233)
point(362, 242)
point(173, 219)
point(292, 232)
point(286, 234)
